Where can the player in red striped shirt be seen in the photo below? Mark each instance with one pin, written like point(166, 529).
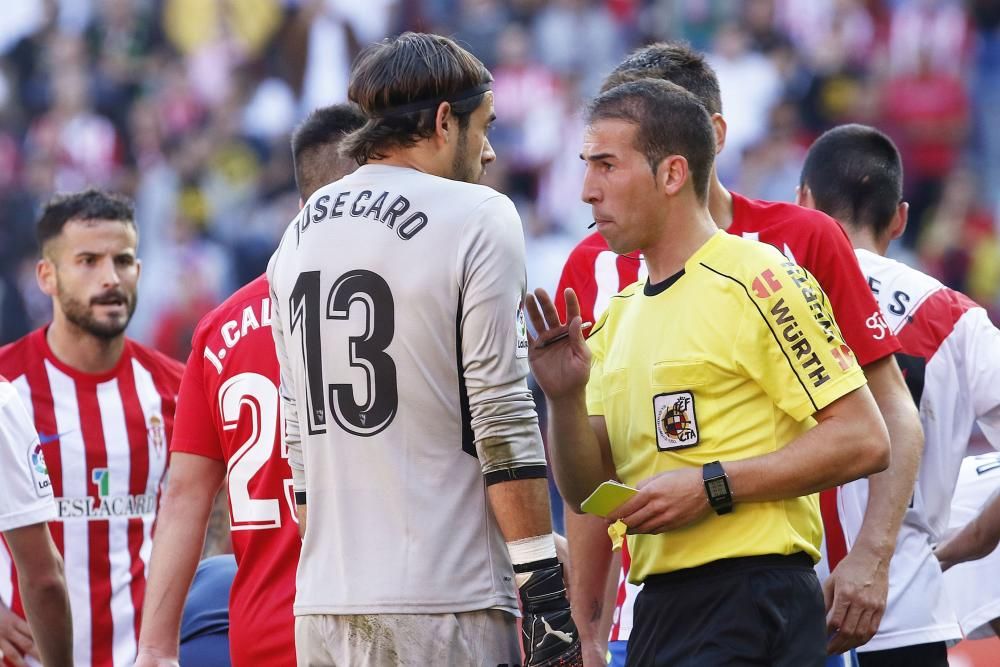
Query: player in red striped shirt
point(228, 421)
point(103, 406)
point(856, 594)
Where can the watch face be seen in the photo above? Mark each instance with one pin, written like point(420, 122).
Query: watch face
point(717, 488)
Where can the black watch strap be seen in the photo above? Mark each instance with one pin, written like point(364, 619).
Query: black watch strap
point(717, 487)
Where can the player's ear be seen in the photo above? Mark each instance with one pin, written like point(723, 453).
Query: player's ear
point(443, 120)
point(899, 220)
point(719, 125)
point(45, 275)
point(804, 197)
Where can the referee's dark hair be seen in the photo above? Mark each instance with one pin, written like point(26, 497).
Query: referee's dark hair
point(400, 83)
point(669, 121)
point(855, 175)
point(675, 62)
point(315, 145)
point(87, 205)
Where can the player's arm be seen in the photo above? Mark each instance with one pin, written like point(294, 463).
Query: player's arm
point(504, 424)
point(976, 539)
point(859, 585)
point(192, 485)
point(218, 537)
point(42, 584)
point(195, 475)
point(594, 567)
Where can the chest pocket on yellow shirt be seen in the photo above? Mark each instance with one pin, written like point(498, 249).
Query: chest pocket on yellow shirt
point(675, 407)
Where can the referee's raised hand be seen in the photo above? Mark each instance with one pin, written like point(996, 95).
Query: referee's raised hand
point(558, 354)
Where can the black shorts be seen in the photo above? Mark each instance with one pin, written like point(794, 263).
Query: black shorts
point(760, 610)
point(919, 655)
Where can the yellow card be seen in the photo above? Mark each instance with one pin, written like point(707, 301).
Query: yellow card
point(607, 498)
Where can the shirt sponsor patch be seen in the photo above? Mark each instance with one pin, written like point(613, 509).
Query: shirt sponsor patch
point(521, 333)
point(676, 422)
point(39, 471)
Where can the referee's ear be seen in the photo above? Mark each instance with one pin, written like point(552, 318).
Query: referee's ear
point(672, 174)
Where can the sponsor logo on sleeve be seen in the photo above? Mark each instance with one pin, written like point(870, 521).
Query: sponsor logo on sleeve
point(39, 471)
point(676, 421)
point(521, 334)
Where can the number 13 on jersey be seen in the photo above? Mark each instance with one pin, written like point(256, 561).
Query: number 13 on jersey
point(354, 290)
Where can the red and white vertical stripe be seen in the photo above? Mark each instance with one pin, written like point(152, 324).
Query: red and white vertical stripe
point(99, 425)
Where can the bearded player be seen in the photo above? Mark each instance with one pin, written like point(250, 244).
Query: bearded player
point(103, 406)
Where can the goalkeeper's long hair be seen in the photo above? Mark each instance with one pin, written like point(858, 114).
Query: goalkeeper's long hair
point(399, 83)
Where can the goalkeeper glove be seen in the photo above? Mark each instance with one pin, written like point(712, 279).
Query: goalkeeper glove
point(548, 634)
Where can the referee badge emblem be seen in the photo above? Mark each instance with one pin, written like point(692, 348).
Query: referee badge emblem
point(676, 422)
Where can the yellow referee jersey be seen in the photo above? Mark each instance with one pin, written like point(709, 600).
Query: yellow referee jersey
point(727, 360)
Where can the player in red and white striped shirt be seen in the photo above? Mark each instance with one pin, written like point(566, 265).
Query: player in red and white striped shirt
point(228, 420)
point(103, 406)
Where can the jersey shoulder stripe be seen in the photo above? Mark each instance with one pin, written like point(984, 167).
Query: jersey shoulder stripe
point(933, 321)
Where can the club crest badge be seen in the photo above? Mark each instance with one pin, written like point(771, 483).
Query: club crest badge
point(155, 432)
point(676, 421)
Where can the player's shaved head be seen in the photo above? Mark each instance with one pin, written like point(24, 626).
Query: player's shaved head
point(315, 147)
point(669, 120)
point(674, 62)
point(855, 175)
point(400, 82)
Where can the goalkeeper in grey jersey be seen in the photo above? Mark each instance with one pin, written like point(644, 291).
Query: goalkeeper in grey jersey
point(411, 433)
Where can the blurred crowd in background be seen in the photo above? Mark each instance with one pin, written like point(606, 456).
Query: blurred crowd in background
point(187, 106)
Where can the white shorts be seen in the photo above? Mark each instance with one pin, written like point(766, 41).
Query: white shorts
point(485, 638)
point(974, 587)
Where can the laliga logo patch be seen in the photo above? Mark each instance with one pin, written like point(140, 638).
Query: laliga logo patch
point(676, 423)
point(155, 431)
point(521, 331)
point(39, 471)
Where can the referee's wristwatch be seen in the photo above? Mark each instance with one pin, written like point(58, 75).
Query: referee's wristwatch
point(717, 487)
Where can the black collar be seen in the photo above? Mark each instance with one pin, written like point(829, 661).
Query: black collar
point(650, 289)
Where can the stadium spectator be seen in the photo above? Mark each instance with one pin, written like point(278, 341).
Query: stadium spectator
point(103, 406)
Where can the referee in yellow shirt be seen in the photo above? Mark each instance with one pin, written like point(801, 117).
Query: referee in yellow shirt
point(721, 388)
